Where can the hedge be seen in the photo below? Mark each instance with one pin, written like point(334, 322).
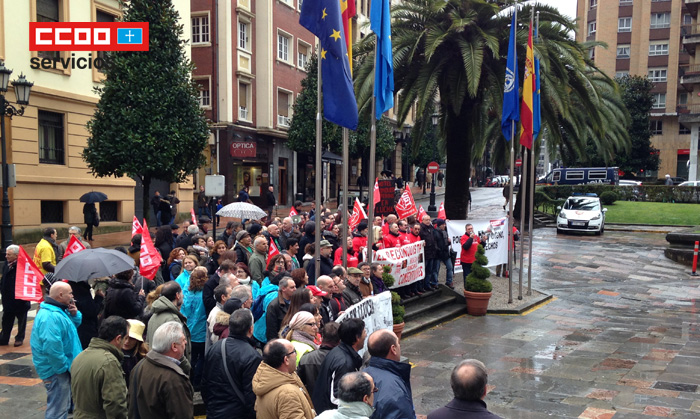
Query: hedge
point(648, 193)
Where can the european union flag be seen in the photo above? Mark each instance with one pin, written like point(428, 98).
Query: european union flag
point(323, 19)
point(380, 23)
point(129, 36)
point(510, 90)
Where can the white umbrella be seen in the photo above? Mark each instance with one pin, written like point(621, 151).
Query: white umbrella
point(242, 210)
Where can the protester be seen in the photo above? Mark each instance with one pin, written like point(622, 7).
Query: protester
point(309, 365)
point(365, 284)
point(55, 344)
point(302, 332)
point(221, 294)
point(243, 275)
point(12, 308)
point(167, 309)
point(359, 238)
point(221, 328)
point(392, 377)
point(121, 299)
point(352, 258)
point(277, 308)
point(444, 248)
point(230, 365)
point(72, 232)
point(46, 250)
point(188, 264)
point(291, 250)
point(378, 285)
point(89, 306)
point(432, 262)
point(470, 243)
point(193, 309)
point(326, 266)
point(340, 361)
point(355, 398)
point(165, 244)
point(133, 347)
point(227, 266)
point(97, 378)
point(299, 297)
point(300, 277)
point(257, 261)
point(280, 393)
point(352, 293)
point(330, 306)
point(215, 255)
point(468, 381)
point(242, 247)
point(159, 388)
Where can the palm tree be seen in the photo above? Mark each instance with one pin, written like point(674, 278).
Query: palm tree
point(454, 52)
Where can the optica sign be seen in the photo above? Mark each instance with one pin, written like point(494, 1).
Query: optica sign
point(240, 149)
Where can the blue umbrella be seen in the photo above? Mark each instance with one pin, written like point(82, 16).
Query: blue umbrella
point(92, 197)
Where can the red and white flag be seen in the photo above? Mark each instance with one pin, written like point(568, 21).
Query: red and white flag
point(406, 205)
point(273, 250)
point(74, 246)
point(136, 227)
point(421, 212)
point(293, 212)
point(377, 195)
point(28, 278)
point(150, 259)
point(194, 218)
point(441, 212)
point(358, 214)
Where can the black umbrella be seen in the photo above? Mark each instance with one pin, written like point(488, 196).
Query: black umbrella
point(93, 263)
point(92, 197)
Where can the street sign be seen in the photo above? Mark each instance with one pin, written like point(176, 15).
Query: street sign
point(519, 162)
point(214, 185)
point(433, 167)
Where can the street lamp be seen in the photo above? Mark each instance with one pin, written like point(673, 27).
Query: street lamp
point(431, 207)
point(22, 90)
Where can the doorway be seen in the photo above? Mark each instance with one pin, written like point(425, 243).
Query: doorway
point(283, 181)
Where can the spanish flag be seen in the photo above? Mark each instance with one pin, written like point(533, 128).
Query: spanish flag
point(528, 89)
point(347, 10)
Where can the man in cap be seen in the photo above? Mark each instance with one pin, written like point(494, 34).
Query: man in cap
point(352, 293)
point(243, 247)
point(326, 263)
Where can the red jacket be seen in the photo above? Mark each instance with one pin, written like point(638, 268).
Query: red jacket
point(357, 242)
point(413, 238)
point(338, 258)
point(391, 241)
point(468, 256)
point(404, 238)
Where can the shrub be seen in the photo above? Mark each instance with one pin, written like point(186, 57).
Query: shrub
point(477, 281)
point(608, 197)
point(397, 309)
point(387, 277)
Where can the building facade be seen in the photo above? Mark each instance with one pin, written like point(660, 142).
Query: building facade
point(653, 38)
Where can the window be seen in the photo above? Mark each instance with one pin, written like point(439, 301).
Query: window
point(51, 212)
point(594, 3)
point(625, 2)
point(683, 130)
point(244, 35)
point(656, 127)
point(282, 47)
point(683, 99)
point(101, 16)
point(284, 106)
point(243, 109)
point(687, 19)
point(597, 174)
point(623, 51)
point(109, 210)
point(624, 24)
point(48, 11)
point(621, 74)
point(657, 75)
point(577, 175)
point(51, 138)
point(591, 53)
point(659, 101)
point(660, 20)
point(204, 93)
point(200, 29)
point(557, 176)
point(658, 49)
point(302, 55)
point(591, 28)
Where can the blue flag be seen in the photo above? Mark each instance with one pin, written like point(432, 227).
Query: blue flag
point(323, 19)
point(380, 23)
point(510, 90)
point(536, 116)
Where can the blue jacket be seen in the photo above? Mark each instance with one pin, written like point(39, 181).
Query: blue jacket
point(260, 328)
point(393, 379)
point(193, 309)
point(55, 342)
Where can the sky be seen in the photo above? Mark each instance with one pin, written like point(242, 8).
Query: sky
point(566, 7)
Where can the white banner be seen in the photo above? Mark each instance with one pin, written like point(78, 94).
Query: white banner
point(375, 311)
point(496, 246)
point(407, 262)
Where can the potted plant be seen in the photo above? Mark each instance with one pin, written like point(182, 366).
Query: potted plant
point(477, 288)
point(397, 309)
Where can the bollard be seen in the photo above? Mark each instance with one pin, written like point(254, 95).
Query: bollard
point(695, 260)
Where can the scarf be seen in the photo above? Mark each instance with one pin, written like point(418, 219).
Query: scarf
point(244, 281)
point(303, 337)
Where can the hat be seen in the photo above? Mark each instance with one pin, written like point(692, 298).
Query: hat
point(439, 221)
point(354, 271)
point(136, 329)
point(316, 291)
point(325, 243)
point(232, 304)
point(254, 229)
point(174, 226)
point(241, 234)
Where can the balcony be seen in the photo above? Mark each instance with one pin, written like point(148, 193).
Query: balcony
point(691, 37)
point(283, 121)
point(689, 113)
point(689, 75)
point(692, 6)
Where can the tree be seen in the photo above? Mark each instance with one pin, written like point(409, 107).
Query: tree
point(148, 123)
point(455, 51)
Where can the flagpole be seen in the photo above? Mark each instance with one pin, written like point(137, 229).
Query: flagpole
point(511, 219)
point(344, 216)
point(532, 182)
point(372, 174)
point(523, 195)
point(317, 187)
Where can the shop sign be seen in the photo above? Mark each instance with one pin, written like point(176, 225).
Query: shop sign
point(240, 149)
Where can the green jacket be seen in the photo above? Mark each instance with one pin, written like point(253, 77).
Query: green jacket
point(97, 382)
point(257, 266)
point(165, 311)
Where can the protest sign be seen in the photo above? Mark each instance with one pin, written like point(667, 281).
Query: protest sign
point(407, 262)
point(386, 191)
point(496, 245)
point(375, 311)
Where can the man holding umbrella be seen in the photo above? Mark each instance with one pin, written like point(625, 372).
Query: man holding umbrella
point(90, 215)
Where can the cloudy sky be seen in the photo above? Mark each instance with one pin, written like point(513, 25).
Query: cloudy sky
point(566, 7)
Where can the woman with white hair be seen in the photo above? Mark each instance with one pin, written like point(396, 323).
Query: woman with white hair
point(302, 330)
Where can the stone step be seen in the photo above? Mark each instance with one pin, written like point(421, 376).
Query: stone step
point(431, 309)
point(425, 305)
point(432, 318)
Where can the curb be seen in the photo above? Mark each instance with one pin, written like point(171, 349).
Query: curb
point(528, 307)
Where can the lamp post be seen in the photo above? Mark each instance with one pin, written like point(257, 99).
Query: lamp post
point(431, 207)
point(22, 90)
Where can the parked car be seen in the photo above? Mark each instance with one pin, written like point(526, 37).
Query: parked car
point(678, 180)
point(582, 212)
point(690, 183)
point(625, 182)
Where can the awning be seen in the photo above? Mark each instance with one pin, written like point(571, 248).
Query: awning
point(331, 157)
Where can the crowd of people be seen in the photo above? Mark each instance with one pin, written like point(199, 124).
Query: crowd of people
point(255, 333)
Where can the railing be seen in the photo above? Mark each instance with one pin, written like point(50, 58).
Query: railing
point(690, 30)
point(243, 113)
point(689, 70)
point(688, 108)
point(283, 120)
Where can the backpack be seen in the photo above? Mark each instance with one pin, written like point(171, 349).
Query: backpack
point(258, 308)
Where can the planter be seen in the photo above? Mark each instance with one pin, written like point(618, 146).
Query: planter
point(477, 302)
point(398, 329)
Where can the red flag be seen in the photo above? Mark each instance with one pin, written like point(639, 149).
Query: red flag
point(136, 227)
point(441, 211)
point(421, 212)
point(347, 9)
point(28, 278)
point(150, 259)
point(194, 218)
point(273, 250)
point(528, 89)
point(406, 205)
point(377, 195)
point(74, 246)
point(293, 212)
point(358, 214)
